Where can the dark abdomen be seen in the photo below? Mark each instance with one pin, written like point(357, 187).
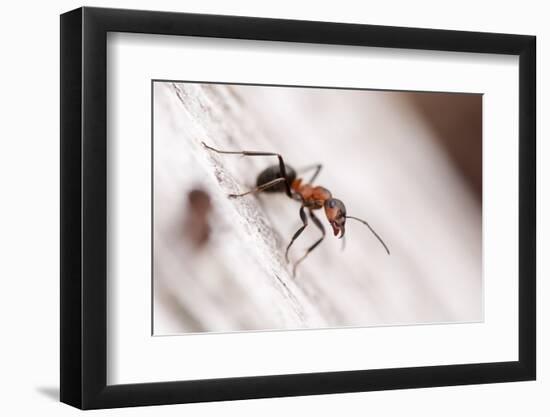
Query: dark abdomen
point(273, 172)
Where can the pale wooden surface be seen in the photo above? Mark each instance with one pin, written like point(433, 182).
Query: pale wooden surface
point(379, 158)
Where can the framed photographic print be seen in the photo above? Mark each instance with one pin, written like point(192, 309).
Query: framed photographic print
point(258, 208)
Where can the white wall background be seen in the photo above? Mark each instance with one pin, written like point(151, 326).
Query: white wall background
point(29, 225)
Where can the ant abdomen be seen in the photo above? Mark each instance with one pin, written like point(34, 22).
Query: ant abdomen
point(273, 172)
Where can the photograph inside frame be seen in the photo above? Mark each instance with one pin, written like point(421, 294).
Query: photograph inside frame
point(292, 207)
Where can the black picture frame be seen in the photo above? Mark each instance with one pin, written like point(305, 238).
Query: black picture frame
point(84, 207)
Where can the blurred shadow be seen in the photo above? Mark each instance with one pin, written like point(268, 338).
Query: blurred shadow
point(196, 222)
point(50, 392)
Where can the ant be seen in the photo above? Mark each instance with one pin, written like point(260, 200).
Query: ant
point(283, 178)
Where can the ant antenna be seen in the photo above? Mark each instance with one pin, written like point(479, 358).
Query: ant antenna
point(372, 230)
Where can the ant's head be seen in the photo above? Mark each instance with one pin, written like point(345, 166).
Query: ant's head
point(336, 215)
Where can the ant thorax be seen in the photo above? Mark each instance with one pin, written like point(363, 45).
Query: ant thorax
point(313, 197)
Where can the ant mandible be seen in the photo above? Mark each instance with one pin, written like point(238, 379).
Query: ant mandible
point(283, 178)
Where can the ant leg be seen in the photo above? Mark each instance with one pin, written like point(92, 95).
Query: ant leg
point(315, 220)
point(298, 232)
point(317, 168)
point(259, 188)
point(282, 169)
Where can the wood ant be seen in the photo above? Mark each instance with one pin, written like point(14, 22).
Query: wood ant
point(283, 178)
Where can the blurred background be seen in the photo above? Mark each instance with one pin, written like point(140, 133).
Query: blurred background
point(409, 163)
